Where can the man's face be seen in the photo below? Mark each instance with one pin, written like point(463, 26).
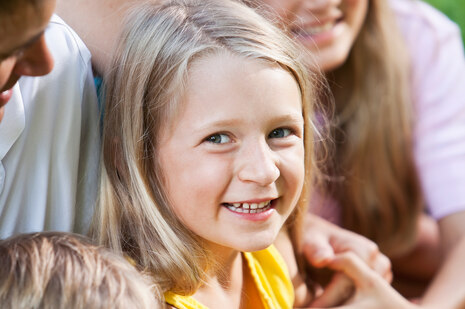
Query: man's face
point(23, 50)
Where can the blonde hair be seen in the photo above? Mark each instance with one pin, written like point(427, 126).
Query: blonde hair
point(380, 195)
point(60, 270)
point(143, 91)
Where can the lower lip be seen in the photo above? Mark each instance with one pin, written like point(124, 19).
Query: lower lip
point(322, 38)
point(5, 96)
point(261, 216)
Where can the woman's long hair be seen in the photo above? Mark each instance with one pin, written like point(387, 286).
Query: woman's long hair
point(143, 92)
point(379, 190)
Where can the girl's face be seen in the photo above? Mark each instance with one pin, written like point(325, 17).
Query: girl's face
point(327, 28)
point(234, 156)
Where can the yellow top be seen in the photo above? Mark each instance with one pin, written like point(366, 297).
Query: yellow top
point(271, 278)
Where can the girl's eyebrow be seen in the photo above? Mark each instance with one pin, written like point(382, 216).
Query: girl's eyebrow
point(228, 122)
point(23, 46)
point(220, 123)
point(289, 118)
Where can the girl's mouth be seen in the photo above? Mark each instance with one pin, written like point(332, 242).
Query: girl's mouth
point(315, 30)
point(249, 208)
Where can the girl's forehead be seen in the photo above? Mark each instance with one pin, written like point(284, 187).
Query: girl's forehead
point(229, 81)
point(227, 72)
point(226, 63)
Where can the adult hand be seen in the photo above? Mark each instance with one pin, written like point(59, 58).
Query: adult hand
point(371, 291)
point(323, 241)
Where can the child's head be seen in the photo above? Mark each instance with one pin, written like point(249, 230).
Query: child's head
point(60, 270)
point(23, 50)
point(207, 140)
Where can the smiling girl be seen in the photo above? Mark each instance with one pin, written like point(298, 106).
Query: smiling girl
point(208, 137)
point(202, 160)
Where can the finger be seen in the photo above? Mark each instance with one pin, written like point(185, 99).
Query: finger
point(356, 269)
point(318, 251)
point(382, 265)
point(340, 289)
point(366, 249)
point(369, 252)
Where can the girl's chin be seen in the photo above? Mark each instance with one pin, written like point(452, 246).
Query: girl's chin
point(329, 59)
point(260, 243)
point(331, 55)
point(257, 247)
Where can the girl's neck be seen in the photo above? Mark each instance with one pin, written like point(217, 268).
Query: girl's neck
point(224, 281)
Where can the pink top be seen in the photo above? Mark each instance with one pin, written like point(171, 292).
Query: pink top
point(438, 88)
point(438, 72)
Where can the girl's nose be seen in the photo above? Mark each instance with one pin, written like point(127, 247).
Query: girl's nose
point(36, 60)
point(258, 164)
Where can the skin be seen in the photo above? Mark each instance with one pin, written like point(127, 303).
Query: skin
point(415, 269)
point(327, 28)
point(98, 23)
point(371, 290)
point(234, 141)
point(23, 50)
point(450, 277)
point(324, 242)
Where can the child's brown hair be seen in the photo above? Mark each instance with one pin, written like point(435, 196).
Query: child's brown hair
point(61, 270)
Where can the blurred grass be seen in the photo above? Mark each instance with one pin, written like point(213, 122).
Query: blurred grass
point(454, 9)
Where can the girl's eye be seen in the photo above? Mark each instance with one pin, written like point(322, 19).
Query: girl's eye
point(218, 139)
point(280, 133)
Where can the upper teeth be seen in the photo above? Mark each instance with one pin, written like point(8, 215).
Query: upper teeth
point(312, 30)
point(251, 205)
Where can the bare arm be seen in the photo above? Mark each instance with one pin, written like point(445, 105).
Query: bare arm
point(415, 269)
point(372, 291)
point(323, 241)
point(448, 288)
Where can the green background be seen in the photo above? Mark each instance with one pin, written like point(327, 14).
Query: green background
point(454, 9)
